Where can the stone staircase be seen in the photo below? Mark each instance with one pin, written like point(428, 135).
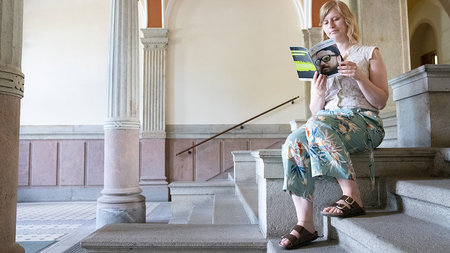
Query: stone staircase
point(409, 211)
point(419, 221)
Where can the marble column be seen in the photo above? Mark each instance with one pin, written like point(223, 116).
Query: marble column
point(153, 143)
point(11, 92)
point(121, 201)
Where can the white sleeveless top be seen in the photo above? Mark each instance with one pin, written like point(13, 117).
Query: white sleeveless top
point(343, 91)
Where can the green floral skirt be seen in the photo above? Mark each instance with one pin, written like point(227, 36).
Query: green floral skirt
point(322, 147)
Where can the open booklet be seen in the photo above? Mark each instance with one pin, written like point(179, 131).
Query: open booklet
point(323, 57)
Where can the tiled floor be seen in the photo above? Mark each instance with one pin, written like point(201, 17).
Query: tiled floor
point(64, 224)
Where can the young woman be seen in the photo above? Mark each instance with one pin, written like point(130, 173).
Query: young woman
point(345, 120)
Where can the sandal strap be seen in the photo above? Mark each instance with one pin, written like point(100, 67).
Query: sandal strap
point(299, 229)
point(304, 233)
point(354, 207)
point(292, 239)
point(351, 202)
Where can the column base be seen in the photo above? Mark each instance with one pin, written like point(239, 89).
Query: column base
point(111, 213)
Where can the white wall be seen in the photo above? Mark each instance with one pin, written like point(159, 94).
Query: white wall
point(229, 60)
point(65, 46)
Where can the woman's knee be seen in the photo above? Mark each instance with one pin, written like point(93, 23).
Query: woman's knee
point(313, 125)
point(298, 134)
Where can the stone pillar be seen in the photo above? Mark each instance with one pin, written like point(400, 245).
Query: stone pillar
point(422, 96)
point(311, 37)
point(11, 91)
point(392, 39)
point(154, 120)
point(121, 201)
point(153, 143)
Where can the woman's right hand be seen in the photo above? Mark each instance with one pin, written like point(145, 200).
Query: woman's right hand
point(319, 84)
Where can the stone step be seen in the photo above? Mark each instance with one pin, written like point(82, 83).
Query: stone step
point(248, 196)
point(382, 231)
point(425, 198)
point(228, 210)
point(186, 195)
point(175, 238)
point(205, 187)
point(320, 245)
point(201, 214)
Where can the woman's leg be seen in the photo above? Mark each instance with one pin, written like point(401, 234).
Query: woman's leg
point(304, 210)
point(298, 180)
point(331, 137)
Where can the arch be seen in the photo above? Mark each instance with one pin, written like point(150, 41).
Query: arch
point(142, 12)
point(302, 14)
point(423, 43)
point(303, 17)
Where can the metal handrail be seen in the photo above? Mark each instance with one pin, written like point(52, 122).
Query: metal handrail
point(240, 124)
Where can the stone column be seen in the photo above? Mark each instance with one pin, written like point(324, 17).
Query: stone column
point(392, 39)
point(11, 91)
point(153, 143)
point(121, 201)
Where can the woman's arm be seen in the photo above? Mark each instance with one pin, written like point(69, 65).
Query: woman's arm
point(374, 87)
point(318, 88)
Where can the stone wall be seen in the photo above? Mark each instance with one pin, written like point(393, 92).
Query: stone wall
point(71, 159)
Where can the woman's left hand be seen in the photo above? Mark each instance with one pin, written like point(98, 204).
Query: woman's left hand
point(350, 69)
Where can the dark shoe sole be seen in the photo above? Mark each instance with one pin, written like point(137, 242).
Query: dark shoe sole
point(341, 215)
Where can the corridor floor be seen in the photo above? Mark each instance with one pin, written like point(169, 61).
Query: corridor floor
point(55, 227)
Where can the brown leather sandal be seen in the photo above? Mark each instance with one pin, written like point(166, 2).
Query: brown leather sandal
point(353, 210)
point(294, 242)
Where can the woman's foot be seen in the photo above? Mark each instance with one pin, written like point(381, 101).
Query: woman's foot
point(349, 188)
point(348, 208)
point(309, 226)
point(336, 210)
point(298, 237)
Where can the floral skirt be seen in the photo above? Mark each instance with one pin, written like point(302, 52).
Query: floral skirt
point(322, 147)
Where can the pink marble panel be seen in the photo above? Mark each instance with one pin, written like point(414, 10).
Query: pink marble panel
point(44, 162)
point(24, 163)
point(94, 162)
point(207, 160)
point(181, 168)
point(71, 162)
point(152, 159)
point(232, 145)
point(274, 143)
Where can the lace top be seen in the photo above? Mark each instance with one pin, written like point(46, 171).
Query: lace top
point(343, 91)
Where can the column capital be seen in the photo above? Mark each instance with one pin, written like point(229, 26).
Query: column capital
point(154, 38)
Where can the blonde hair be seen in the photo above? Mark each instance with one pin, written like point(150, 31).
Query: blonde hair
point(350, 19)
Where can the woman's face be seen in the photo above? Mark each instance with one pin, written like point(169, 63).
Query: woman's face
point(334, 26)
